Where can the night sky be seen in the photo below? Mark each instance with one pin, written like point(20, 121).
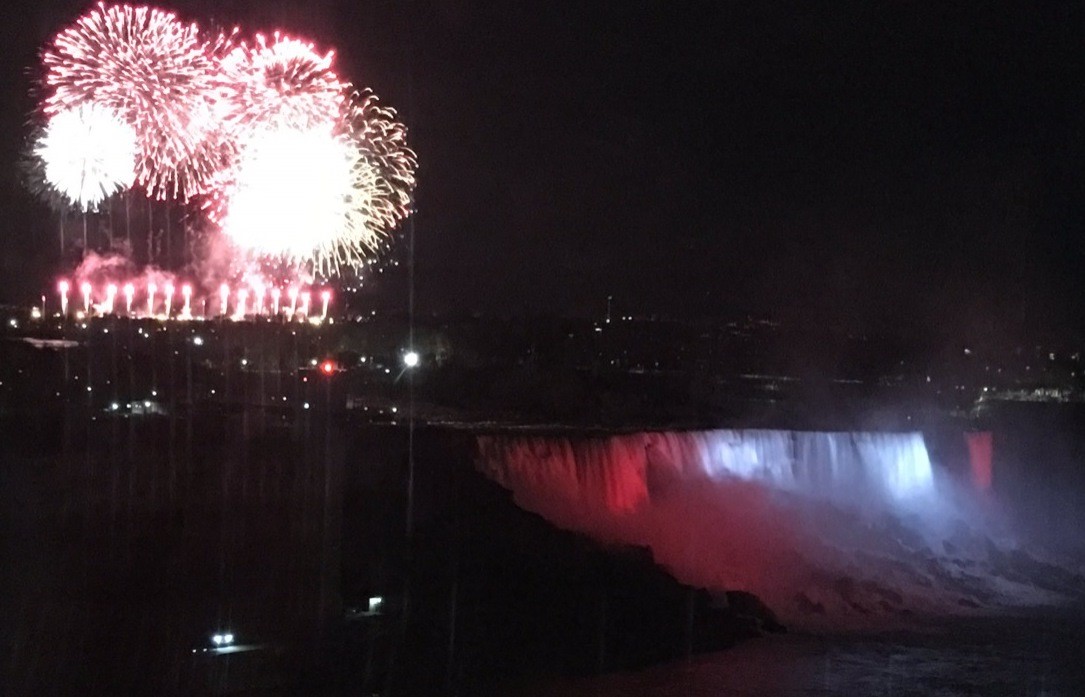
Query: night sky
point(866, 164)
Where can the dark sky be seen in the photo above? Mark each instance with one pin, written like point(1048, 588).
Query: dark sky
point(858, 163)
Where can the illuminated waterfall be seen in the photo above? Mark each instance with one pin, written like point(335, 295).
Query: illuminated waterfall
point(616, 472)
point(828, 528)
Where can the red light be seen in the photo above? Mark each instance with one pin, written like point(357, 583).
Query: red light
point(328, 367)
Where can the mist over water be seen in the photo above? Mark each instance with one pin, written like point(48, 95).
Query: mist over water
point(830, 529)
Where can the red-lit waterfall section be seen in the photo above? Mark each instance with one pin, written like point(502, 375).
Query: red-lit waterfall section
point(980, 458)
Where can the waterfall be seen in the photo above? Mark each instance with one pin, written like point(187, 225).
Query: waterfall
point(617, 472)
point(821, 525)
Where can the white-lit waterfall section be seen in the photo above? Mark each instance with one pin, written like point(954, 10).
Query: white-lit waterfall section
point(621, 472)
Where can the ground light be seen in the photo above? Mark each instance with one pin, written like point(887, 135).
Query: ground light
point(411, 359)
point(222, 639)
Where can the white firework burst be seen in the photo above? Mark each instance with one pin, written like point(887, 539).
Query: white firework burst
point(88, 153)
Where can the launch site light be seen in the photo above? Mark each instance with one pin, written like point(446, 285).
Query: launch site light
point(375, 604)
point(411, 359)
point(327, 367)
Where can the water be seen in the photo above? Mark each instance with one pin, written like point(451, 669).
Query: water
point(993, 656)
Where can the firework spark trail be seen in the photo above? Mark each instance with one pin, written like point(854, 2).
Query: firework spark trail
point(158, 74)
point(281, 83)
point(384, 180)
point(88, 154)
point(324, 198)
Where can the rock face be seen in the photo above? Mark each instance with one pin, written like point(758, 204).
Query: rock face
point(747, 606)
point(532, 600)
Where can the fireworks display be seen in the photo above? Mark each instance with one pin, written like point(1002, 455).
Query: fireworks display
point(284, 83)
point(291, 194)
point(158, 74)
point(294, 169)
point(145, 299)
point(88, 154)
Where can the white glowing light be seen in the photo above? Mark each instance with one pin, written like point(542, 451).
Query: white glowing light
point(410, 359)
point(89, 154)
point(110, 296)
point(291, 192)
point(293, 294)
point(258, 293)
point(242, 301)
point(63, 287)
point(325, 298)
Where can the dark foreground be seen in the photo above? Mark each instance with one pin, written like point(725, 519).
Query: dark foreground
point(1028, 656)
point(132, 541)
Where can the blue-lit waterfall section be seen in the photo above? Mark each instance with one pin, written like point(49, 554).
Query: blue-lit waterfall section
point(620, 472)
point(894, 465)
